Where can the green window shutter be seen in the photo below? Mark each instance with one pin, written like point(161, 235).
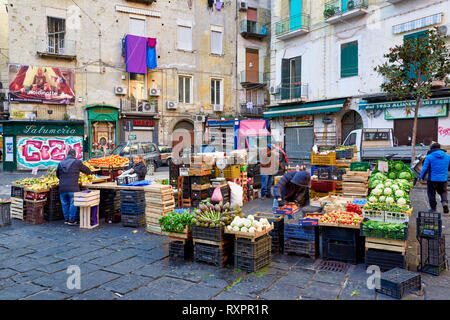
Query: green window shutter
point(413, 36)
point(349, 59)
point(285, 78)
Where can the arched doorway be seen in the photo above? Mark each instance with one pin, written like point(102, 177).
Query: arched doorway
point(179, 135)
point(350, 121)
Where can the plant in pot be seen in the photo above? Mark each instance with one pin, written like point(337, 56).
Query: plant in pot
point(351, 5)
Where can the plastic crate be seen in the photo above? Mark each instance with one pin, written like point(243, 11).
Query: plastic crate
point(53, 212)
point(34, 212)
point(429, 225)
point(199, 195)
point(346, 251)
point(213, 234)
point(373, 215)
point(132, 196)
point(326, 172)
point(212, 254)
point(323, 186)
point(133, 220)
point(244, 167)
point(343, 234)
point(360, 166)
point(126, 180)
point(5, 214)
point(398, 282)
point(36, 195)
point(232, 172)
point(247, 248)
point(323, 159)
point(384, 234)
point(433, 259)
point(180, 250)
point(302, 247)
point(252, 264)
point(293, 230)
point(385, 260)
point(345, 154)
point(17, 191)
point(200, 180)
point(132, 208)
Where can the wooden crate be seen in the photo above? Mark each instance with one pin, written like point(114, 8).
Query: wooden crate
point(17, 208)
point(87, 198)
point(153, 229)
point(386, 244)
point(251, 236)
point(88, 213)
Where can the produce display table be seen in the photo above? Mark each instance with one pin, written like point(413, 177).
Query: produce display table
point(112, 186)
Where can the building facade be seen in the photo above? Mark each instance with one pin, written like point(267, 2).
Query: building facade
point(323, 84)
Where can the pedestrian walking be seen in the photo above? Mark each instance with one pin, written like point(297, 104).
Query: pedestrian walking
point(435, 167)
point(68, 173)
point(292, 187)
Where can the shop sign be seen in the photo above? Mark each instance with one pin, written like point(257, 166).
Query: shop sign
point(424, 112)
point(34, 84)
point(301, 121)
point(44, 130)
point(46, 151)
point(139, 124)
point(403, 104)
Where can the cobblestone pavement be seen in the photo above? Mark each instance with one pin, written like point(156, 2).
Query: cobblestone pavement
point(118, 264)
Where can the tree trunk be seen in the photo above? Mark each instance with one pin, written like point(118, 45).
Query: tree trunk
point(414, 133)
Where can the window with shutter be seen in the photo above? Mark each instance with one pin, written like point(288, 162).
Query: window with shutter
point(285, 78)
point(184, 38)
point(216, 91)
point(184, 89)
point(412, 37)
point(216, 42)
point(349, 59)
point(137, 27)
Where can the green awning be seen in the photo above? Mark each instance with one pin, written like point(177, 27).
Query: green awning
point(306, 108)
point(402, 104)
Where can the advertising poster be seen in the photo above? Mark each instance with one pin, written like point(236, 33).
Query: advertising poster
point(9, 147)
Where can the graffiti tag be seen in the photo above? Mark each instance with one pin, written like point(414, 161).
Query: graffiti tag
point(444, 131)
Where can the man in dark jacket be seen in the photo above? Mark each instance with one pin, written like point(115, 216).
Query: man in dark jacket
point(436, 165)
point(68, 173)
point(292, 187)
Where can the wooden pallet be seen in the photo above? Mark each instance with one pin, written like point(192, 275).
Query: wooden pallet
point(386, 244)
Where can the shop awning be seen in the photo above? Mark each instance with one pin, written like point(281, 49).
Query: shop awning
point(402, 104)
point(306, 108)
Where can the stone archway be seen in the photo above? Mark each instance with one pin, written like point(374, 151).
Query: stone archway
point(351, 120)
point(177, 133)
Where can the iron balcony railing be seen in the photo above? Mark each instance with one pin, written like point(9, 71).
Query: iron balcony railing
point(252, 111)
point(52, 45)
point(292, 90)
point(133, 105)
point(253, 28)
point(292, 23)
point(336, 7)
point(248, 76)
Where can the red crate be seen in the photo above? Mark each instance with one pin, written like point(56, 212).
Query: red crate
point(36, 195)
point(323, 186)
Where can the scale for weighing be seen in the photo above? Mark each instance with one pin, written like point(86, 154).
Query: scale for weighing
point(221, 164)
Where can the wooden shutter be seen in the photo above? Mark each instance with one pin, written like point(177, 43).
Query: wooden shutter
point(252, 14)
point(285, 78)
point(184, 38)
point(349, 59)
point(216, 42)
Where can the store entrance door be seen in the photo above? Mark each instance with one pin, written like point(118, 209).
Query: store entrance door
point(427, 131)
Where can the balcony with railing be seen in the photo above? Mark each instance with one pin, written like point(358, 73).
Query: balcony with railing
point(56, 47)
point(135, 107)
point(292, 26)
point(253, 111)
point(249, 77)
point(253, 29)
point(147, 2)
point(292, 91)
point(337, 11)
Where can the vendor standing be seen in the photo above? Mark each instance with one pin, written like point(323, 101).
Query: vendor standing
point(269, 168)
point(68, 173)
point(138, 166)
point(292, 187)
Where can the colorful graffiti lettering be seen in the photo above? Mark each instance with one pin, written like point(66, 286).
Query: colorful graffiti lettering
point(46, 151)
point(444, 131)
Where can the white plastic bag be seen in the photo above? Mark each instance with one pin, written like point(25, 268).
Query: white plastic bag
point(236, 194)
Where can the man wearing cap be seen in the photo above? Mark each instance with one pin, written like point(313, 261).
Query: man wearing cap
point(436, 166)
point(68, 173)
point(292, 187)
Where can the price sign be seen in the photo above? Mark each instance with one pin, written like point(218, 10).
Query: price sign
point(184, 172)
point(383, 166)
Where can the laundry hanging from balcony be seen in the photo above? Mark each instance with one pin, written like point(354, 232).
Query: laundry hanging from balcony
point(140, 54)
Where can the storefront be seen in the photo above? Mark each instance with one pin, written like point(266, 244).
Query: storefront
point(39, 144)
point(102, 127)
point(139, 129)
point(299, 136)
point(432, 124)
point(221, 134)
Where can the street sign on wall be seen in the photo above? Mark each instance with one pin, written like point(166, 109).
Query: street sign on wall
point(132, 137)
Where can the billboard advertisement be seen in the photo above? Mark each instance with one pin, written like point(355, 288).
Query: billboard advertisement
point(41, 84)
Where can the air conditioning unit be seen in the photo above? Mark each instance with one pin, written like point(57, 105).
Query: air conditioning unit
point(242, 5)
point(274, 90)
point(146, 107)
point(218, 107)
point(200, 118)
point(119, 90)
point(171, 105)
point(442, 30)
point(154, 92)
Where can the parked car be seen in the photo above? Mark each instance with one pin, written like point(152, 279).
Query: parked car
point(166, 154)
point(148, 150)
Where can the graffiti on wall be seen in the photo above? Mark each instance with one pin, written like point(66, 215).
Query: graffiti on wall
point(46, 151)
point(444, 131)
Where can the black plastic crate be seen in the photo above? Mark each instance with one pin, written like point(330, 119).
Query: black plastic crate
point(302, 247)
point(433, 259)
point(277, 245)
point(343, 234)
point(199, 195)
point(385, 260)
point(345, 154)
point(53, 212)
point(180, 250)
point(133, 220)
point(126, 180)
point(296, 231)
point(346, 251)
point(213, 234)
point(398, 282)
point(17, 191)
point(132, 208)
point(249, 249)
point(5, 214)
point(132, 196)
point(429, 225)
point(200, 179)
point(252, 264)
point(216, 255)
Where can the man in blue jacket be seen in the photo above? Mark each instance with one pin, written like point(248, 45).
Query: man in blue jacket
point(68, 173)
point(292, 187)
point(436, 165)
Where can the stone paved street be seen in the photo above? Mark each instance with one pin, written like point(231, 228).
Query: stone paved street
point(119, 264)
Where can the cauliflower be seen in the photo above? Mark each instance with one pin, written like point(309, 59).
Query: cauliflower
point(382, 198)
point(373, 199)
point(387, 191)
point(387, 183)
point(250, 217)
point(264, 222)
point(401, 201)
point(390, 200)
point(235, 228)
point(399, 193)
point(229, 228)
point(377, 192)
point(244, 229)
point(395, 187)
point(241, 223)
point(380, 186)
point(257, 224)
point(247, 223)
point(251, 229)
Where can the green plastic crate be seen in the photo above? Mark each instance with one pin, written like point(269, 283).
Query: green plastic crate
point(360, 166)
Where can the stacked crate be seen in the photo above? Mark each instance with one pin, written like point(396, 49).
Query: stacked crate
point(398, 282)
point(433, 259)
point(181, 249)
point(342, 244)
point(356, 183)
point(159, 200)
point(132, 208)
point(224, 190)
point(277, 233)
point(18, 209)
point(211, 245)
point(53, 208)
point(109, 204)
point(199, 188)
point(5, 213)
point(346, 157)
point(35, 203)
point(252, 254)
point(300, 240)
